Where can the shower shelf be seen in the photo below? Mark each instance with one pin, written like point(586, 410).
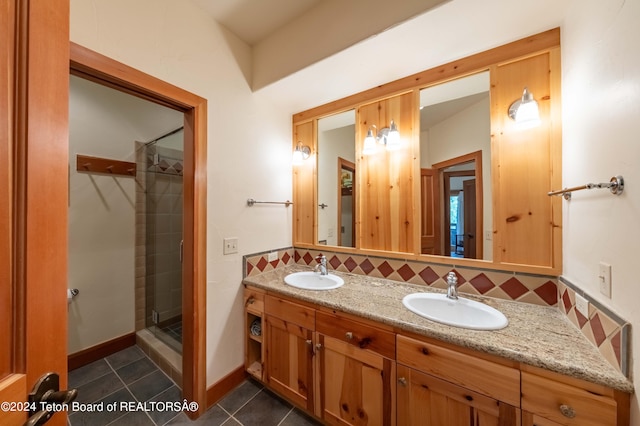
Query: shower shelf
point(87, 164)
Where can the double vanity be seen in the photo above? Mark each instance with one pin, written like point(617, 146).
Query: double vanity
point(356, 354)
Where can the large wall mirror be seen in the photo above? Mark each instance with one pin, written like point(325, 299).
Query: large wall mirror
point(455, 166)
point(336, 179)
point(468, 186)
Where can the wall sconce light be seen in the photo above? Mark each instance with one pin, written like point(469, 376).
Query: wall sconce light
point(524, 111)
point(301, 153)
point(387, 136)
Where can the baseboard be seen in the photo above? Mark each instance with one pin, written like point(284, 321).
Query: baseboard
point(225, 385)
point(94, 353)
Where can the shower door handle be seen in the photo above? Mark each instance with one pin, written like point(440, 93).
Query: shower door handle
point(181, 250)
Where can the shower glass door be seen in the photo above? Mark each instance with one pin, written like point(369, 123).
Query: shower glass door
point(164, 201)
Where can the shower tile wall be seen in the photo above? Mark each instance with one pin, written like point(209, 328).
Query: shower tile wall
point(158, 235)
point(164, 234)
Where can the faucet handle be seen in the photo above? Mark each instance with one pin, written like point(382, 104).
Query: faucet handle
point(321, 257)
point(452, 278)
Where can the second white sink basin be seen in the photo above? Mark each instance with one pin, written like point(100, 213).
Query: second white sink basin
point(313, 281)
point(462, 312)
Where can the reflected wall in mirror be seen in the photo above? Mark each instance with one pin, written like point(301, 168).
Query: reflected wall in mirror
point(455, 163)
point(336, 179)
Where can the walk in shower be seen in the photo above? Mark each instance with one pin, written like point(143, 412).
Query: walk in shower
point(163, 201)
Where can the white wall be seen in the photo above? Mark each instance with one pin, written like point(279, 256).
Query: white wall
point(332, 144)
point(249, 140)
point(601, 107)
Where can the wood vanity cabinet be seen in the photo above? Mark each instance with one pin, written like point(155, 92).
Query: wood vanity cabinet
point(351, 371)
point(289, 350)
point(441, 386)
point(550, 399)
point(254, 331)
point(356, 372)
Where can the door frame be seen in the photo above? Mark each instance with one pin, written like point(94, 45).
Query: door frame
point(475, 157)
point(100, 69)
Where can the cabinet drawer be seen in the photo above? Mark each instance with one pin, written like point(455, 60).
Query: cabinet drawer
point(355, 333)
point(566, 404)
point(485, 377)
point(254, 300)
point(290, 312)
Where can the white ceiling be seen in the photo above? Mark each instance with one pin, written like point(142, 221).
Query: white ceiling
point(254, 20)
point(450, 31)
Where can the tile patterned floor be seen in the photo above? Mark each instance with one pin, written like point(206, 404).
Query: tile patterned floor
point(130, 376)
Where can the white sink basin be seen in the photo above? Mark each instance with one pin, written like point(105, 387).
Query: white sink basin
point(462, 312)
point(313, 281)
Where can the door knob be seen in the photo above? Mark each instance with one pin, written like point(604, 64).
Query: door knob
point(47, 390)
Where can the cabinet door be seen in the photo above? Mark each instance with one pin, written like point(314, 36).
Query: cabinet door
point(428, 401)
point(357, 386)
point(530, 419)
point(289, 366)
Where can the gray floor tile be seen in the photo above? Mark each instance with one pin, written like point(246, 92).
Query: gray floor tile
point(99, 388)
point(134, 418)
point(240, 396)
point(88, 373)
point(136, 370)
point(265, 409)
point(150, 386)
point(162, 416)
point(102, 417)
point(125, 356)
point(298, 418)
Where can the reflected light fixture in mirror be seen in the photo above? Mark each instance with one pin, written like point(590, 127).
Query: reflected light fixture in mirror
point(387, 136)
point(301, 153)
point(524, 111)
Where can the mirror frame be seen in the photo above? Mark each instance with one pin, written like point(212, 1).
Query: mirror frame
point(305, 125)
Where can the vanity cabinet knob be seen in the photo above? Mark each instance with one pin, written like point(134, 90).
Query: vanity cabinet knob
point(567, 411)
point(309, 342)
point(349, 335)
point(402, 381)
point(250, 301)
point(318, 346)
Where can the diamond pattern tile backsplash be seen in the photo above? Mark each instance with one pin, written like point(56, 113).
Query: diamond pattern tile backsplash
point(605, 330)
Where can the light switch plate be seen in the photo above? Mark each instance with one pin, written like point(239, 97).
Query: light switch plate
point(604, 278)
point(582, 305)
point(230, 245)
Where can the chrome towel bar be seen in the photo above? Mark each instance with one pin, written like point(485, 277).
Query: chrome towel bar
point(615, 186)
point(251, 202)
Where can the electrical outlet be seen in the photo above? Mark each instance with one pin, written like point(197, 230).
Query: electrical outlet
point(582, 305)
point(604, 278)
point(230, 245)
point(272, 256)
point(488, 235)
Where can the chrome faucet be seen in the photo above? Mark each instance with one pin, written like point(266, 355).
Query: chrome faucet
point(322, 265)
point(452, 282)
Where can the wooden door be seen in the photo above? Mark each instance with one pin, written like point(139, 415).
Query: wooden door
point(471, 236)
point(289, 364)
point(430, 229)
point(356, 385)
point(34, 75)
point(428, 401)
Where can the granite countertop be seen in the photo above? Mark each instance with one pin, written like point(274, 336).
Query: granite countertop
point(536, 335)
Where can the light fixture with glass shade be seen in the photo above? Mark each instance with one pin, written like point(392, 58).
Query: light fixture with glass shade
point(524, 111)
point(387, 136)
point(301, 153)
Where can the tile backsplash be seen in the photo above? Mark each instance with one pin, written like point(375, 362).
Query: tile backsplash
point(603, 328)
point(609, 333)
point(536, 289)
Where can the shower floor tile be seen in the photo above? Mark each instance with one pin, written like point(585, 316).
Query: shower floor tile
point(129, 376)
